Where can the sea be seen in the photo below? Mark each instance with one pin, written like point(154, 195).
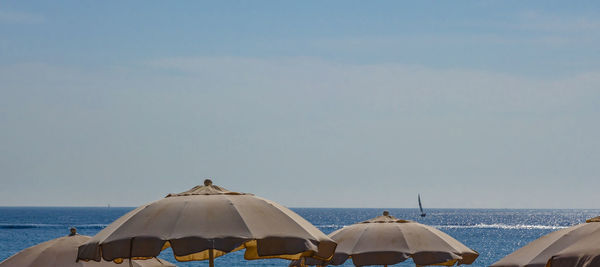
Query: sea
point(494, 233)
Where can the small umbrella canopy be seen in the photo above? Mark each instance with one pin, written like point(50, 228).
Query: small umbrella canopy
point(562, 242)
point(386, 240)
point(62, 252)
point(207, 222)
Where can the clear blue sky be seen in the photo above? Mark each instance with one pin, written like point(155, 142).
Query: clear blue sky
point(473, 104)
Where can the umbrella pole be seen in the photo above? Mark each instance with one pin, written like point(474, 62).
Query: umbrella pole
point(211, 258)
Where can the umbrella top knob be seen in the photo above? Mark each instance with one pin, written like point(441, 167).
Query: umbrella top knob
point(386, 218)
point(72, 231)
point(207, 189)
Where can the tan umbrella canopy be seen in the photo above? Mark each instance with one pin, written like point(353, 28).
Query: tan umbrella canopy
point(578, 245)
point(207, 222)
point(386, 240)
point(583, 253)
point(62, 252)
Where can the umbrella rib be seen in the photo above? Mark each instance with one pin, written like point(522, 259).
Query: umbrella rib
point(242, 218)
point(444, 241)
point(404, 238)
point(295, 218)
point(550, 247)
point(280, 210)
point(358, 240)
point(110, 230)
point(176, 221)
point(455, 252)
point(49, 246)
point(46, 249)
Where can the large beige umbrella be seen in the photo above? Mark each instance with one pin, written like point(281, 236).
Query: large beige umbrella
point(386, 240)
point(62, 252)
point(573, 246)
point(207, 222)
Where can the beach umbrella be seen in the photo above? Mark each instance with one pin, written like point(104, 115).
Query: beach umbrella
point(386, 240)
point(578, 245)
point(583, 253)
point(207, 222)
point(62, 252)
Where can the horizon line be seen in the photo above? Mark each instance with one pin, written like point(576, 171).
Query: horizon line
point(509, 208)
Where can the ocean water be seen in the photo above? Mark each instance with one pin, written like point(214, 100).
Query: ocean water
point(493, 233)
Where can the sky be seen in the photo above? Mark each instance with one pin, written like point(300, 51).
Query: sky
point(472, 104)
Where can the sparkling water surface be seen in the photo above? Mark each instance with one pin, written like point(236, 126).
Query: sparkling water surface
point(494, 233)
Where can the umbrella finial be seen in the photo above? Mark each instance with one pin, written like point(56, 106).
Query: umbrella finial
point(207, 182)
point(73, 231)
point(386, 213)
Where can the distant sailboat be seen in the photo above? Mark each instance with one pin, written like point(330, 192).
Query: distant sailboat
point(421, 206)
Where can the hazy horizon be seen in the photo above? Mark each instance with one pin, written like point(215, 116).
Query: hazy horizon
point(427, 209)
